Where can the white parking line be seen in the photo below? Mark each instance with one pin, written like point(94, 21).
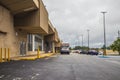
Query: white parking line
point(1, 76)
point(33, 77)
point(47, 58)
point(17, 78)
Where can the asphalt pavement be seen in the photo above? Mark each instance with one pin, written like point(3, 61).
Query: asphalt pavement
point(63, 67)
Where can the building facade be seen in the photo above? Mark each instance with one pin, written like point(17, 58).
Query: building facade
point(25, 28)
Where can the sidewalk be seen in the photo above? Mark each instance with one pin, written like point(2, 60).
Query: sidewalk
point(32, 57)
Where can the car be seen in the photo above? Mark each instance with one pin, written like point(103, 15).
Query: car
point(100, 53)
point(83, 52)
point(65, 50)
point(76, 51)
point(93, 52)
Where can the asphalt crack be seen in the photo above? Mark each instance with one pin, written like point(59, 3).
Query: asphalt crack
point(73, 71)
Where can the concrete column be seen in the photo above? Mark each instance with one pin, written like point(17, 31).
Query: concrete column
point(33, 42)
point(53, 47)
point(42, 44)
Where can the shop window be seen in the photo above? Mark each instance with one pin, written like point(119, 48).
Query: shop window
point(38, 43)
point(30, 42)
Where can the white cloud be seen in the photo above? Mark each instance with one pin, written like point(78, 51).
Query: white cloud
point(73, 17)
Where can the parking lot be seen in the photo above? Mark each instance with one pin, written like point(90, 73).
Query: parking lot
point(63, 67)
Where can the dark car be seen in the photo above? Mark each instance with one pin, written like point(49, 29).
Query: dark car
point(93, 52)
point(83, 52)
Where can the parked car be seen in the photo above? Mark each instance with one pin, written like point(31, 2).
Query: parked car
point(83, 52)
point(100, 53)
point(76, 51)
point(93, 52)
point(65, 50)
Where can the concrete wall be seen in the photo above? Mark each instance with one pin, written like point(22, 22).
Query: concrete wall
point(27, 19)
point(49, 37)
point(20, 6)
point(8, 40)
point(56, 35)
point(43, 17)
point(36, 18)
point(21, 37)
point(36, 3)
point(14, 36)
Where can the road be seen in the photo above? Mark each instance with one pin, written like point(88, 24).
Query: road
point(63, 67)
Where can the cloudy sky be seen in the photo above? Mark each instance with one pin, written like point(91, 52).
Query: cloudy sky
point(72, 18)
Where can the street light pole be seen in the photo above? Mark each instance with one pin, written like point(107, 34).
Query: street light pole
point(104, 32)
point(88, 38)
point(82, 40)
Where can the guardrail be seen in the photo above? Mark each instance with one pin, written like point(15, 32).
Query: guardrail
point(4, 55)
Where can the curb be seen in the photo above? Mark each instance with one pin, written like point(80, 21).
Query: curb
point(34, 57)
point(103, 56)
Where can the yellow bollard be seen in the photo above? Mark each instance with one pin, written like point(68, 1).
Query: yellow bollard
point(5, 56)
point(8, 54)
point(38, 53)
point(0, 54)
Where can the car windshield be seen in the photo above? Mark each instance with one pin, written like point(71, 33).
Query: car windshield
point(65, 47)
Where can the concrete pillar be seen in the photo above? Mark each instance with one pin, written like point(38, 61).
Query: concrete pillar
point(33, 42)
point(53, 47)
point(42, 45)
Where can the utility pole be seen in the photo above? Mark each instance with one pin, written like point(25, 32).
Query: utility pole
point(88, 38)
point(104, 32)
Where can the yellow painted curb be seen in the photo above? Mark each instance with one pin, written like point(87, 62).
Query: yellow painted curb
point(34, 57)
point(28, 58)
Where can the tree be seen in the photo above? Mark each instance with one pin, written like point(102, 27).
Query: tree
point(116, 45)
point(77, 47)
point(70, 48)
point(80, 48)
